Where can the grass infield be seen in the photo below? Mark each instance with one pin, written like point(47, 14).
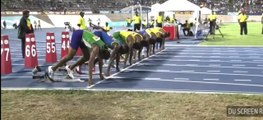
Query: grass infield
point(88, 105)
point(231, 32)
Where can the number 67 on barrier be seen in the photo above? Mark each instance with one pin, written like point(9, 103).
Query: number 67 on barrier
point(6, 65)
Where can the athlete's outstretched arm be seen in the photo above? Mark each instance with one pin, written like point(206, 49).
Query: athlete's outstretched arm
point(94, 53)
point(112, 56)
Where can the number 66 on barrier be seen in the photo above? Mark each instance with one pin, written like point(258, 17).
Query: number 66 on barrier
point(31, 51)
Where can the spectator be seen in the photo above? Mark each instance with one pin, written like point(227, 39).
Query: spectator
point(98, 21)
point(24, 28)
point(90, 22)
point(242, 20)
point(4, 23)
point(39, 25)
point(35, 24)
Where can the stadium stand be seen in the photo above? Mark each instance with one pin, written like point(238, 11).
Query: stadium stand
point(253, 7)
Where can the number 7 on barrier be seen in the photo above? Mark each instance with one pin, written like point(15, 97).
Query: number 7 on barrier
point(7, 53)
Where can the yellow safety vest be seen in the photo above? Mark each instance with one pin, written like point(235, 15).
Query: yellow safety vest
point(242, 18)
point(159, 19)
point(136, 19)
point(212, 17)
point(28, 23)
point(82, 23)
point(129, 20)
point(171, 20)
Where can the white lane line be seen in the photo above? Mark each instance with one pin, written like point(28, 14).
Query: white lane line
point(181, 78)
point(205, 61)
point(206, 57)
point(211, 79)
point(214, 65)
point(187, 71)
point(260, 65)
point(236, 60)
point(206, 82)
point(238, 65)
point(214, 56)
point(234, 56)
point(256, 56)
point(210, 65)
point(152, 78)
point(191, 64)
point(213, 71)
point(239, 71)
point(258, 60)
point(242, 80)
point(190, 72)
point(217, 53)
point(214, 60)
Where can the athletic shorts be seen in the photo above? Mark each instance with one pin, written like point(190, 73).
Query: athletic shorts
point(76, 40)
point(105, 38)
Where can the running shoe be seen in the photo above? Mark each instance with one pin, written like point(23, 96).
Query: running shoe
point(70, 72)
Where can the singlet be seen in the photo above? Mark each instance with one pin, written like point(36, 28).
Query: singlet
point(89, 39)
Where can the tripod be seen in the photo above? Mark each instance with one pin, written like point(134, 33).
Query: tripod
point(213, 31)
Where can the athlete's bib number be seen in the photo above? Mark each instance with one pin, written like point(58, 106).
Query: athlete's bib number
point(65, 45)
point(31, 51)
point(51, 47)
point(7, 53)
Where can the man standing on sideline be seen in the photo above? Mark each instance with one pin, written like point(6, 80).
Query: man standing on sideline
point(242, 20)
point(35, 24)
point(81, 23)
point(137, 22)
point(159, 20)
point(212, 20)
point(24, 28)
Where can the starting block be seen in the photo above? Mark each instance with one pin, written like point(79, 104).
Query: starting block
point(44, 76)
